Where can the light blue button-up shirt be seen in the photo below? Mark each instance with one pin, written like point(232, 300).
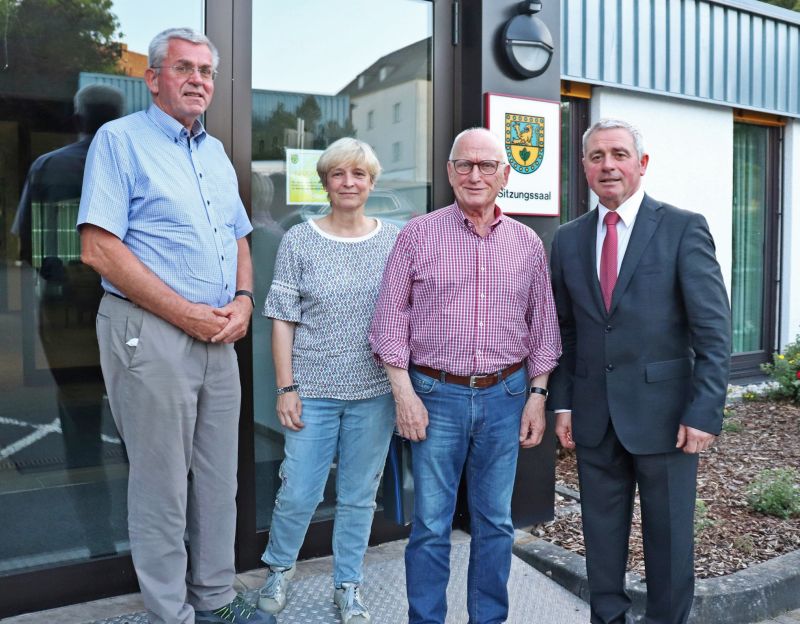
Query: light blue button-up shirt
point(173, 200)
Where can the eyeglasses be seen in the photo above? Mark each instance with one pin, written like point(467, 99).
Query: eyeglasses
point(186, 70)
point(486, 167)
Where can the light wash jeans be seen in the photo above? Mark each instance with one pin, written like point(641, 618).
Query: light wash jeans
point(479, 429)
point(359, 433)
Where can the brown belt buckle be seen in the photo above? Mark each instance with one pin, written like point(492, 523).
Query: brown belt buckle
point(474, 379)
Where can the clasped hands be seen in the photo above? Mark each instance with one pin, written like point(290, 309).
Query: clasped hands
point(226, 324)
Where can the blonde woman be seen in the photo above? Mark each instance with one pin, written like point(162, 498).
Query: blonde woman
point(333, 399)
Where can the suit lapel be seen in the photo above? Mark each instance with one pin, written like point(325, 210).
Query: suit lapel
point(588, 251)
point(647, 220)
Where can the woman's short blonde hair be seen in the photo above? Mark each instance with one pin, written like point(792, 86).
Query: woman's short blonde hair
point(348, 152)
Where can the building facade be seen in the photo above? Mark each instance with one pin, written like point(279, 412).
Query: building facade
point(715, 88)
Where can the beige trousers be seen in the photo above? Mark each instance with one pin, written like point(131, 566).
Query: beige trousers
point(175, 401)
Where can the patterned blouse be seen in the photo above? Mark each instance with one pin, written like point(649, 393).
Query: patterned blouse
point(328, 285)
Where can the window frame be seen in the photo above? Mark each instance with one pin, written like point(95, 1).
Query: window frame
point(748, 364)
point(577, 188)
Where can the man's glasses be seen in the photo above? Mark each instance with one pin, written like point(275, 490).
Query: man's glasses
point(186, 70)
point(486, 167)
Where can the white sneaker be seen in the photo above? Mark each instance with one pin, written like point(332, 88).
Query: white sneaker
point(272, 596)
point(348, 599)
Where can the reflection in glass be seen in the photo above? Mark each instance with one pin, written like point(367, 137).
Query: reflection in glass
point(374, 84)
point(63, 472)
point(68, 293)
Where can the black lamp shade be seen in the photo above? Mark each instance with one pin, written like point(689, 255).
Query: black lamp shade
point(528, 45)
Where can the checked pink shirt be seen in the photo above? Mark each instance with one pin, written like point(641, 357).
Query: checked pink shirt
point(457, 302)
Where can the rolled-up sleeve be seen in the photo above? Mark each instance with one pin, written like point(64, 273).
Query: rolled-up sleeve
point(542, 320)
point(389, 332)
point(283, 298)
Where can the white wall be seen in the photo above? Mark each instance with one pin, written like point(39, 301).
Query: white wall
point(691, 156)
point(790, 288)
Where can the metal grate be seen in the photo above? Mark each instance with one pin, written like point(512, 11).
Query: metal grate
point(310, 598)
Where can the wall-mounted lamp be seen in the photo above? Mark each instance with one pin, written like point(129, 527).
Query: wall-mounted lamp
point(527, 41)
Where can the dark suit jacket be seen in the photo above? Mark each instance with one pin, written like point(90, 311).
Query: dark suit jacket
point(660, 357)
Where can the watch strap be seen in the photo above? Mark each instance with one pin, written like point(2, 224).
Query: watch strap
point(538, 390)
point(245, 293)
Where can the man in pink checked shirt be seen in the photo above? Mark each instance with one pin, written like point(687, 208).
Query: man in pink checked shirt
point(466, 327)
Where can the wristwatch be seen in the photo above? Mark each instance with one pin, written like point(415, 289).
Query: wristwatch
point(245, 293)
point(285, 389)
point(538, 390)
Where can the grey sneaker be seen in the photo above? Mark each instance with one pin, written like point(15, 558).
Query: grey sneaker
point(239, 611)
point(351, 605)
point(272, 596)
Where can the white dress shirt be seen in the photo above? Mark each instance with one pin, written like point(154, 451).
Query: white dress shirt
point(627, 217)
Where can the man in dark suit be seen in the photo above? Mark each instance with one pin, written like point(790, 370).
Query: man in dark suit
point(640, 387)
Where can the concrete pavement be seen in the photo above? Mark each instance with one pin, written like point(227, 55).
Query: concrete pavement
point(533, 596)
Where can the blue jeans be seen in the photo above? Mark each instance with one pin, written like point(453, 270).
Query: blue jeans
point(478, 428)
point(359, 432)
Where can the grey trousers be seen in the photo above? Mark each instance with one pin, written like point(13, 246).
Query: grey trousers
point(175, 401)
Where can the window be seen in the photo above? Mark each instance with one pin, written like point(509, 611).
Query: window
point(370, 120)
point(397, 151)
point(574, 188)
point(755, 252)
point(396, 112)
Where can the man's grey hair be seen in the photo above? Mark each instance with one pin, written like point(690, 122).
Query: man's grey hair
point(501, 149)
point(613, 124)
point(157, 51)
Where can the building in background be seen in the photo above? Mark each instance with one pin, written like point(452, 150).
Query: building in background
point(391, 106)
point(715, 89)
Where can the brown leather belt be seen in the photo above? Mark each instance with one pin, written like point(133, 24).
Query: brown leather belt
point(474, 381)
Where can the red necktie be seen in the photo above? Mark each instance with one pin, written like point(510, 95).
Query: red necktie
point(608, 258)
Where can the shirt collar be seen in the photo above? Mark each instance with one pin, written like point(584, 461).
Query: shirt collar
point(464, 219)
point(172, 127)
point(627, 211)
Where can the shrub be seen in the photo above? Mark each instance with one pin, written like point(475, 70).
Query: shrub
point(744, 544)
point(730, 425)
point(785, 371)
point(776, 492)
point(701, 519)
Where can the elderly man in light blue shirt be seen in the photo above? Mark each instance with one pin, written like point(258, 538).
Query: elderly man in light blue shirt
point(161, 221)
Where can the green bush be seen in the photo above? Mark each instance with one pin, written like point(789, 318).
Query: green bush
point(732, 426)
point(785, 371)
point(701, 519)
point(729, 423)
point(776, 492)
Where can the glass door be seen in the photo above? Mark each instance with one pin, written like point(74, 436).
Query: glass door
point(63, 469)
point(323, 70)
